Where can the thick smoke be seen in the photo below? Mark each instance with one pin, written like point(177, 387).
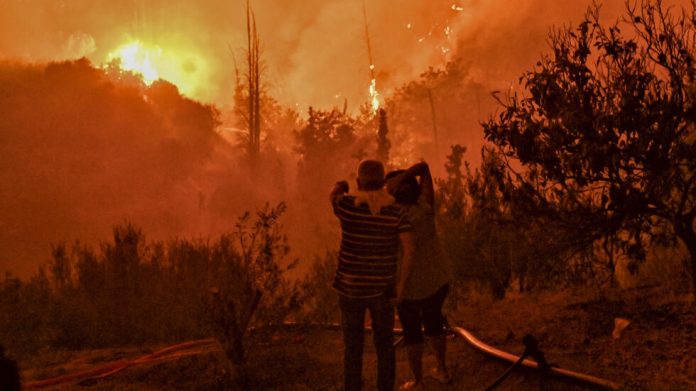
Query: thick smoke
point(79, 153)
point(315, 51)
point(82, 151)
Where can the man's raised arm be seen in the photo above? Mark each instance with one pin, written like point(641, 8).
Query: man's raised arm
point(422, 171)
point(339, 189)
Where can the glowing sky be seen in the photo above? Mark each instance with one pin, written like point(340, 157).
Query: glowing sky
point(314, 51)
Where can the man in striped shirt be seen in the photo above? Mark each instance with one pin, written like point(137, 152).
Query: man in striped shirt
point(372, 228)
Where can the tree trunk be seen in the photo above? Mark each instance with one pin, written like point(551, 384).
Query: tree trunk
point(253, 85)
point(383, 143)
point(232, 323)
point(684, 228)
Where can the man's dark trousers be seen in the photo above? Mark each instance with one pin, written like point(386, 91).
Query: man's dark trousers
point(353, 325)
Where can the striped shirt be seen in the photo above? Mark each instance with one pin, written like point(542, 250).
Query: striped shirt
point(367, 261)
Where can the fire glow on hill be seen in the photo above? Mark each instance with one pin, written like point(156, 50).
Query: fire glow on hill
point(184, 68)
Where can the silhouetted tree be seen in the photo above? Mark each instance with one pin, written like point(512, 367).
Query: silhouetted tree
point(476, 227)
point(383, 143)
point(605, 131)
point(104, 136)
point(451, 190)
point(248, 92)
point(250, 270)
point(428, 114)
point(325, 145)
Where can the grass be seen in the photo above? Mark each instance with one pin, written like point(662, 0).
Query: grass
point(574, 329)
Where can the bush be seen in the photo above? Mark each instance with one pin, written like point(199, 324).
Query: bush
point(320, 299)
point(134, 291)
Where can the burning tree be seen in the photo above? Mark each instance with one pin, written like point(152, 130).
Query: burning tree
point(605, 131)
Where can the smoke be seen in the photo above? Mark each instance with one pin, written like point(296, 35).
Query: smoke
point(78, 154)
point(315, 51)
point(79, 45)
point(82, 151)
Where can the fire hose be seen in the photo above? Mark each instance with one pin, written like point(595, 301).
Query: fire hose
point(531, 349)
point(522, 360)
point(103, 371)
point(185, 349)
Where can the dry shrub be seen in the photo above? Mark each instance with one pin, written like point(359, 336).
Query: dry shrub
point(319, 297)
point(135, 291)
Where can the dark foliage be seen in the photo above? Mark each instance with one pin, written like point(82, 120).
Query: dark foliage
point(383, 143)
point(318, 295)
point(81, 145)
point(134, 291)
point(605, 132)
point(426, 115)
point(496, 243)
point(329, 149)
point(327, 140)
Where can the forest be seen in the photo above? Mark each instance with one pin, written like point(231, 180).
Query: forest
point(135, 217)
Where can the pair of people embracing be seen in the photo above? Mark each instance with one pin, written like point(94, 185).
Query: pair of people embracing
point(390, 255)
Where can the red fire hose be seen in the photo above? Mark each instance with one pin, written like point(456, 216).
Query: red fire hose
point(185, 349)
point(102, 371)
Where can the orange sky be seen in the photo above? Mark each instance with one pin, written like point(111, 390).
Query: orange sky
point(314, 50)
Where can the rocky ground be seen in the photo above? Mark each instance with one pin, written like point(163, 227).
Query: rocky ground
point(655, 351)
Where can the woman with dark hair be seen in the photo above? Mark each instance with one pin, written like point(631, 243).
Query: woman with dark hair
point(423, 282)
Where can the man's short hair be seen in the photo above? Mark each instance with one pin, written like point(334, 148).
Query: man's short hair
point(370, 175)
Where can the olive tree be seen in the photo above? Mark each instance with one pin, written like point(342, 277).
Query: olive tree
point(602, 137)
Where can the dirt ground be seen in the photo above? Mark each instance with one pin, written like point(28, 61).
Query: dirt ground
point(655, 351)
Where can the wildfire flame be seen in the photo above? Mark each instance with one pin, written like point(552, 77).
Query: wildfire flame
point(374, 96)
point(135, 57)
point(184, 68)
